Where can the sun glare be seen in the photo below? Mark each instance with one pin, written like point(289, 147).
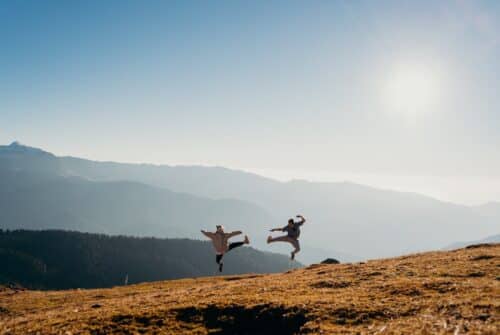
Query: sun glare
point(411, 90)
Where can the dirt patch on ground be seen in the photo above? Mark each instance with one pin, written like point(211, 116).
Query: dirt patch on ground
point(330, 284)
point(482, 257)
point(440, 286)
point(233, 278)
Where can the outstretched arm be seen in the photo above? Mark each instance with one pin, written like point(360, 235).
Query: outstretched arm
point(302, 219)
point(276, 229)
point(234, 233)
point(207, 233)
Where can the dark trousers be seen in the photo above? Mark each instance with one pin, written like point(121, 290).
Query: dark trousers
point(218, 258)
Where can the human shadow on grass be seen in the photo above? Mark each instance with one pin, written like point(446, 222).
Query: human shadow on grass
point(242, 320)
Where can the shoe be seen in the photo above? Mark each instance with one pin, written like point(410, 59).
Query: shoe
point(292, 257)
point(269, 238)
point(247, 241)
point(220, 266)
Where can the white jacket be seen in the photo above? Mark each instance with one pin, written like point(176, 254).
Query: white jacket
point(220, 240)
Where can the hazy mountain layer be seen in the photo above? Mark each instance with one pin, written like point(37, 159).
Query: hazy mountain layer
point(113, 198)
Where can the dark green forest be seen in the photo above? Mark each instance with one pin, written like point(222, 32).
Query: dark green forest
point(55, 259)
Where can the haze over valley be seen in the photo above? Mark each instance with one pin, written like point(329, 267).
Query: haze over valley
point(345, 220)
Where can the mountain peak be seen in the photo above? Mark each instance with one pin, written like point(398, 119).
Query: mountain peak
point(19, 148)
point(15, 144)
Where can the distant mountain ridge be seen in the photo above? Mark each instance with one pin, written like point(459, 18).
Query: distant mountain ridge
point(17, 147)
point(462, 244)
point(355, 219)
point(18, 157)
point(116, 207)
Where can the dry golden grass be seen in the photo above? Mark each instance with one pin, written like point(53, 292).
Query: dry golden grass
point(453, 292)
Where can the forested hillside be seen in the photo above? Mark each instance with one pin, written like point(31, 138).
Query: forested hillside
point(61, 259)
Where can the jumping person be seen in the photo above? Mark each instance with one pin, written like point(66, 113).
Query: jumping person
point(220, 242)
point(293, 232)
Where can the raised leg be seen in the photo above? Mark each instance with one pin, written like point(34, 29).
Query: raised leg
point(235, 245)
point(280, 239)
point(238, 244)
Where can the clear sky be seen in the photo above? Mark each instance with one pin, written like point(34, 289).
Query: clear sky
point(397, 94)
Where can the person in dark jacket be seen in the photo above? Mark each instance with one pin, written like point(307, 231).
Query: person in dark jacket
point(292, 230)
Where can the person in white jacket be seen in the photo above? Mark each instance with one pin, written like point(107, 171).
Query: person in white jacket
point(220, 242)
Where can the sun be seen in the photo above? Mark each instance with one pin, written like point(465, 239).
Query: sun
point(411, 89)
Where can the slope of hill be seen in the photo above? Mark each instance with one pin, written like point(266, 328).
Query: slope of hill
point(451, 292)
point(61, 259)
point(489, 239)
point(354, 219)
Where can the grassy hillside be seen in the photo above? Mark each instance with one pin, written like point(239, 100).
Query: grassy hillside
point(61, 259)
point(451, 292)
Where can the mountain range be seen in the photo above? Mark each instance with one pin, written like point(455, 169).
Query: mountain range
point(345, 220)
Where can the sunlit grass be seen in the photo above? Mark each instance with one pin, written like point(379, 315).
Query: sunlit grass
point(434, 293)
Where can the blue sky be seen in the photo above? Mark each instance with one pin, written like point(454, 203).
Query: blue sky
point(373, 91)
